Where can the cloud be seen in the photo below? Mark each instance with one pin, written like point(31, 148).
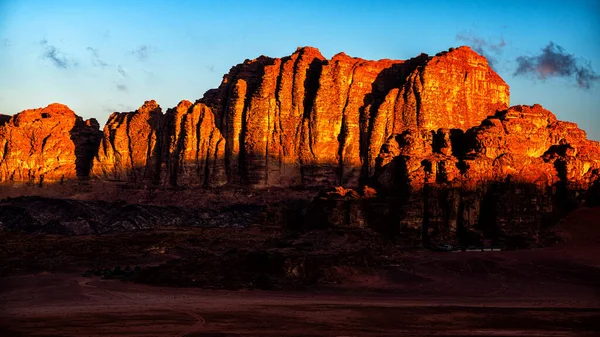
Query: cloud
point(110, 108)
point(96, 61)
point(142, 52)
point(122, 71)
point(488, 48)
point(554, 61)
point(121, 87)
point(6, 43)
point(59, 59)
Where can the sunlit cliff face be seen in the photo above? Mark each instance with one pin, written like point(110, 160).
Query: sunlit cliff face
point(50, 144)
point(304, 120)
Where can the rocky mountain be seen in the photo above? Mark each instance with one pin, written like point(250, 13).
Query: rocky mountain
point(306, 120)
point(299, 120)
point(509, 178)
point(193, 147)
point(523, 143)
point(46, 144)
point(130, 146)
point(445, 156)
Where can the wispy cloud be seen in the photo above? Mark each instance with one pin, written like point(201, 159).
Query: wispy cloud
point(489, 48)
point(58, 58)
point(122, 71)
point(6, 43)
point(142, 52)
point(121, 87)
point(96, 61)
point(554, 61)
point(110, 108)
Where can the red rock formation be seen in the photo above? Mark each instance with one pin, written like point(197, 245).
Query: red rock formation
point(181, 147)
point(525, 143)
point(504, 176)
point(503, 182)
point(194, 152)
point(304, 119)
point(130, 148)
point(454, 90)
point(46, 144)
point(300, 119)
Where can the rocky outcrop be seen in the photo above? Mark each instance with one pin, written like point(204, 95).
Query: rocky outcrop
point(181, 147)
point(42, 215)
point(523, 143)
point(46, 145)
point(306, 120)
point(448, 158)
point(299, 120)
point(194, 149)
point(130, 148)
point(504, 181)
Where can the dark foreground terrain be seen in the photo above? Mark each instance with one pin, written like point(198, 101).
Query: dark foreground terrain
point(65, 305)
point(256, 279)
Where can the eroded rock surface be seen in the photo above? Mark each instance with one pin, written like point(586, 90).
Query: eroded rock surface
point(194, 149)
point(525, 144)
point(299, 120)
point(130, 149)
point(506, 180)
point(306, 120)
point(181, 147)
point(434, 136)
point(46, 145)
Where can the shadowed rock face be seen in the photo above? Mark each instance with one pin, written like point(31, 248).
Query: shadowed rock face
point(3, 119)
point(181, 147)
point(46, 144)
point(505, 180)
point(193, 148)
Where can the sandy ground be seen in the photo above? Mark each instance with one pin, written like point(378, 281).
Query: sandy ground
point(69, 305)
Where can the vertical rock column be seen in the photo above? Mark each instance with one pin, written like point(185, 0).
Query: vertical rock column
point(130, 148)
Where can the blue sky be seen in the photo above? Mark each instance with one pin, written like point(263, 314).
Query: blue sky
point(104, 56)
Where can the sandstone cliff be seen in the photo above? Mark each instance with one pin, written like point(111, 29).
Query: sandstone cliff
point(194, 149)
point(306, 120)
point(130, 148)
point(523, 143)
point(181, 147)
point(505, 180)
point(46, 144)
point(434, 135)
point(299, 120)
